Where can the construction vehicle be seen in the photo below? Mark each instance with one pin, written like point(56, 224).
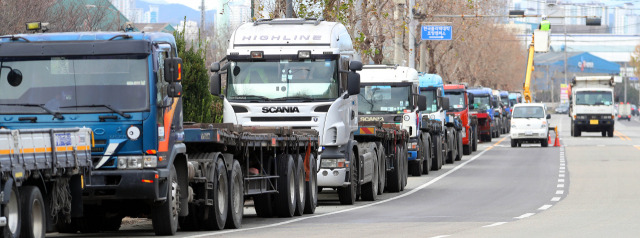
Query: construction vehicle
point(592, 103)
point(389, 93)
point(447, 133)
point(459, 106)
point(481, 106)
point(301, 73)
point(126, 89)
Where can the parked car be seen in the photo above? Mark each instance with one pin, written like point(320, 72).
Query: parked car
point(563, 108)
point(529, 124)
point(634, 110)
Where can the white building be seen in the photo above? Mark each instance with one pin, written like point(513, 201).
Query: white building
point(190, 29)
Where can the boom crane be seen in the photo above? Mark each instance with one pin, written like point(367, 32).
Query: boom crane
point(527, 78)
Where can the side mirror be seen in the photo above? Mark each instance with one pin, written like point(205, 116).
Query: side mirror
point(548, 116)
point(422, 103)
point(173, 70)
point(471, 98)
point(355, 65)
point(215, 67)
point(174, 90)
point(445, 103)
point(14, 77)
point(215, 84)
point(353, 82)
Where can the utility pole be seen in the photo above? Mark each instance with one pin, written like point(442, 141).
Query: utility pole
point(397, 49)
point(289, 13)
point(202, 20)
point(625, 81)
point(412, 38)
point(565, 52)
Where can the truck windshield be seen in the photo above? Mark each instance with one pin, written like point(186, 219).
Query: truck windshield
point(594, 98)
point(283, 79)
point(456, 101)
point(432, 100)
point(380, 99)
point(481, 102)
point(528, 112)
point(61, 84)
point(504, 99)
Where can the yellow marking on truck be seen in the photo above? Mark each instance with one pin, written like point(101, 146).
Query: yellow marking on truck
point(366, 130)
point(84, 147)
point(6, 152)
point(17, 175)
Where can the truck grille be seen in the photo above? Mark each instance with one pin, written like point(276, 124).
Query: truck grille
point(281, 119)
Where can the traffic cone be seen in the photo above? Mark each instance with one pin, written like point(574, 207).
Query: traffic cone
point(549, 137)
point(557, 143)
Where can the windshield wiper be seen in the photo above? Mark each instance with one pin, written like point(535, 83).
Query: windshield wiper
point(55, 114)
point(245, 96)
point(125, 115)
point(294, 97)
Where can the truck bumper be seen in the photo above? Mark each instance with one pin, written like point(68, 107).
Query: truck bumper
point(412, 148)
point(124, 184)
point(590, 125)
point(332, 177)
point(412, 155)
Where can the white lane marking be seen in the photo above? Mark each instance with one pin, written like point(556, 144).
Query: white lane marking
point(600, 145)
point(561, 185)
point(562, 175)
point(412, 191)
point(545, 207)
point(563, 168)
point(495, 224)
point(560, 192)
point(525, 215)
point(560, 180)
point(442, 236)
point(555, 199)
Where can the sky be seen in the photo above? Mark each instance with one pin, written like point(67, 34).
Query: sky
point(195, 4)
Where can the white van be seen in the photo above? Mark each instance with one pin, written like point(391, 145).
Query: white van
point(529, 124)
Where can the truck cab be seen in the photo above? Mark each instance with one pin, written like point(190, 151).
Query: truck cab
point(592, 105)
point(481, 106)
point(389, 93)
point(504, 98)
point(459, 106)
point(121, 86)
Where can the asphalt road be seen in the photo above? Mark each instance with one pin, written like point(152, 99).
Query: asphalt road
point(586, 188)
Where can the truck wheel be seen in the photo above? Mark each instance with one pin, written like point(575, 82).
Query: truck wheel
point(263, 203)
point(437, 154)
point(217, 217)
point(311, 187)
point(577, 132)
point(514, 143)
point(370, 189)
point(604, 133)
point(475, 139)
point(286, 196)
point(165, 216)
point(33, 218)
point(426, 162)
point(12, 212)
point(382, 169)
point(416, 166)
point(404, 168)
point(192, 221)
point(544, 143)
point(395, 178)
point(459, 147)
point(347, 195)
point(300, 183)
point(236, 197)
point(610, 132)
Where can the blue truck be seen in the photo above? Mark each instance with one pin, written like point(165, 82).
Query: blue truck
point(144, 161)
point(483, 107)
point(445, 130)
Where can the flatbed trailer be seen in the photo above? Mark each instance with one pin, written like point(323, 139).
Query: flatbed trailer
point(274, 166)
point(386, 145)
point(41, 181)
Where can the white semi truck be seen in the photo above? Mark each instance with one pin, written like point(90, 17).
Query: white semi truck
point(301, 73)
point(592, 107)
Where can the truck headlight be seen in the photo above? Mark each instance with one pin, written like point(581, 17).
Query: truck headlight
point(332, 163)
point(606, 117)
point(513, 126)
point(582, 117)
point(543, 126)
point(412, 145)
point(150, 161)
point(137, 162)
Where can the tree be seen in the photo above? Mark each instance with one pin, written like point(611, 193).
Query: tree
point(197, 100)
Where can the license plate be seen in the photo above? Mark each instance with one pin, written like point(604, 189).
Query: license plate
point(528, 133)
point(593, 122)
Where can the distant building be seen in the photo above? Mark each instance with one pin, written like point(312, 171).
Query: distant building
point(190, 29)
point(155, 27)
point(153, 14)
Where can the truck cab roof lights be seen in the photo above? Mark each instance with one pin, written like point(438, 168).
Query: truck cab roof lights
point(289, 21)
point(257, 54)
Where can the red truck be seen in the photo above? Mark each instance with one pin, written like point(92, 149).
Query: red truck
point(459, 107)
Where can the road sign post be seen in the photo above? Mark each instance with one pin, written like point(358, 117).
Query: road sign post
point(431, 32)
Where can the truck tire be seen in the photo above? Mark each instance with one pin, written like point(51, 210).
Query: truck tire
point(475, 139)
point(12, 211)
point(577, 132)
point(382, 169)
point(437, 153)
point(416, 166)
point(217, 213)
point(459, 147)
point(286, 196)
point(192, 221)
point(236, 197)
point(610, 132)
point(404, 168)
point(604, 133)
point(394, 177)
point(33, 214)
point(165, 216)
point(450, 148)
point(263, 203)
point(347, 195)
point(544, 143)
point(300, 186)
point(311, 187)
point(370, 189)
point(514, 143)
point(427, 161)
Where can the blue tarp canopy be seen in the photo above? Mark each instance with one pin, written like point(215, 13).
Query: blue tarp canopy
point(577, 63)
